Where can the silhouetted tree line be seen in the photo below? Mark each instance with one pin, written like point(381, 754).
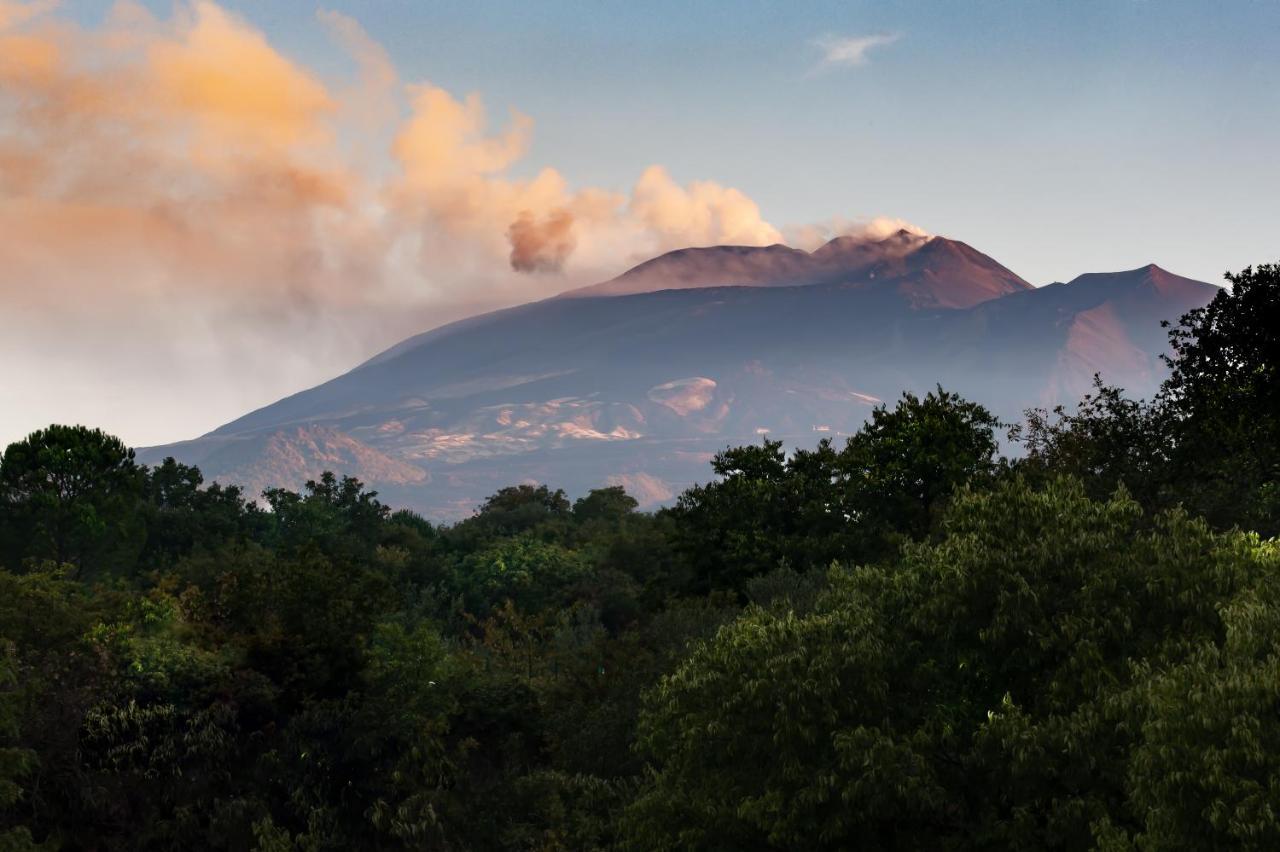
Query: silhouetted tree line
point(905, 642)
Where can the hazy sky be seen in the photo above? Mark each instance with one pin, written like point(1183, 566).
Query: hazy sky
point(205, 207)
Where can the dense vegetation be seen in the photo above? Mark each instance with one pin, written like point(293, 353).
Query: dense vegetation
point(905, 642)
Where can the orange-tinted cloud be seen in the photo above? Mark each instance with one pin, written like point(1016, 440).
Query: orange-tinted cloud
point(227, 78)
point(167, 159)
point(703, 213)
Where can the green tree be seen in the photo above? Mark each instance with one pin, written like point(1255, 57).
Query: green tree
point(1205, 774)
point(1108, 441)
point(899, 469)
point(517, 509)
point(336, 515)
point(72, 495)
point(47, 618)
point(15, 762)
point(1224, 399)
point(604, 504)
point(750, 518)
point(183, 514)
point(967, 696)
point(885, 486)
point(533, 574)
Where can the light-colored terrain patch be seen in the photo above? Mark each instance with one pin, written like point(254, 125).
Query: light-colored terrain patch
point(289, 457)
point(587, 433)
point(684, 396)
point(515, 428)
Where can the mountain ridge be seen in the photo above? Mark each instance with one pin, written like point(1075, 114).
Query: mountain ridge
point(842, 260)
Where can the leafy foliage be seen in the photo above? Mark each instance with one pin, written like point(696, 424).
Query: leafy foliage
point(993, 689)
point(70, 495)
point(822, 505)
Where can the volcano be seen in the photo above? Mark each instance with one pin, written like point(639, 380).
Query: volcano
point(637, 381)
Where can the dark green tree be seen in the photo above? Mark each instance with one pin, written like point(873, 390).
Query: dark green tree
point(183, 514)
point(1108, 441)
point(604, 504)
point(898, 470)
point(520, 507)
point(749, 519)
point(336, 515)
point(72, 495)
point(860, 503)
point(15, 762)
point(979, 693)
point(1204, 775)
point(1223, 397)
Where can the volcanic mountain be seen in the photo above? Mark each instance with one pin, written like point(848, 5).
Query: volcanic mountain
point(639, 380)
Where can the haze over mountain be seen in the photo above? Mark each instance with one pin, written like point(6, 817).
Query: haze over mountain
point(639, 380)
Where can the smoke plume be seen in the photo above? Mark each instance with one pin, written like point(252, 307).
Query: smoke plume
point(541, 246)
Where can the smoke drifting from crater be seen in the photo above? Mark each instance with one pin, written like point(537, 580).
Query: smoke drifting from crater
point(541, 246)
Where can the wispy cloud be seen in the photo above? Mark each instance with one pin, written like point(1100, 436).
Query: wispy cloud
point(849, 51)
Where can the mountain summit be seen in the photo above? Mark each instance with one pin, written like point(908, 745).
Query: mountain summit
point(639, 380)
point(930, 271)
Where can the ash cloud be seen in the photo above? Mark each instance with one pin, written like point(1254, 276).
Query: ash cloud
point(541, 246)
